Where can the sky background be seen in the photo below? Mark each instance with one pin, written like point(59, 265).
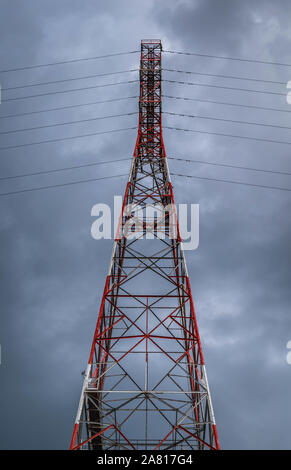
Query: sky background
point(52, 271)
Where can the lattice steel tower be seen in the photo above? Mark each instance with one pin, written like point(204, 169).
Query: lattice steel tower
point(145, 386)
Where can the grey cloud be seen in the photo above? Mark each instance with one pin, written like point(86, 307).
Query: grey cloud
point(52, 272)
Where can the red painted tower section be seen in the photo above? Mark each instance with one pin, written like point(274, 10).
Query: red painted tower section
point(146, 386)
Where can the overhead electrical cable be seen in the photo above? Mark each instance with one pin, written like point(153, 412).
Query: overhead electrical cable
point(104, 162)
point(61, 139)
point(204, 162)
point(135, 127)
point(57, 170)
point(67, 91)
point(235, 121)
point(10, 193)
point(85, 77)
point(258, 139)
point(240, 59)
point(248, 90)
point(233, 182)
point(233, 77)
point(67, 123)
point(47, 110)
point(68, 61)
point(185, 98)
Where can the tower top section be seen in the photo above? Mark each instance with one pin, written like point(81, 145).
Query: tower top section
point(151, 41)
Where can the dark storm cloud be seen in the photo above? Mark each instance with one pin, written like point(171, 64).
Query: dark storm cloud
point(241, 271)
point(52, 272)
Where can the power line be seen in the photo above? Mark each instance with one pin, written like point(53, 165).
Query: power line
point(233, 182)
point(225, 87)
point(85, 77)
point(85, 165)
point(46, 110)
point(227, 104)
point(135, 81)
point(70, 61)
point(66, 138)
point(251, 123)
point(10, 193)
point(261, 170)
point(66, 107)
point(240, 59)
point(66, 123)
point(67, 91)
point(82, 59)
point(132, 128)
point(57, 170)
point(229, 135)
point(226, 76)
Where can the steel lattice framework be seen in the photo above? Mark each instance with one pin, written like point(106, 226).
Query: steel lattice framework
point(145, 386)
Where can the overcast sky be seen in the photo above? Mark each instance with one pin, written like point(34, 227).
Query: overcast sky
point(52, 271)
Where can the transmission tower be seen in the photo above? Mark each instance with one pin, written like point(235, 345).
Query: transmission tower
point(146, 386)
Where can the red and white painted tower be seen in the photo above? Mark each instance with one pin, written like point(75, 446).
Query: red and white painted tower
point(146, 386)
